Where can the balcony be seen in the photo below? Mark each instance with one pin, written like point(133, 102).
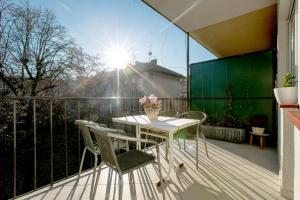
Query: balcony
point(42, 156)
point(41, 148)
point(233, 171)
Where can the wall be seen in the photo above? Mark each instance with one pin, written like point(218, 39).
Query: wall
point(164, 85)
point(146, 83)
point(252, 81)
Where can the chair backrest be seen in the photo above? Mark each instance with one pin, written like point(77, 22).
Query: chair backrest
point(85, 132)
point(194, 115)
point(169, 113)
point(105, 145)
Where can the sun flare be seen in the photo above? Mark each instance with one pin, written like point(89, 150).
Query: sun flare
point(117, 57)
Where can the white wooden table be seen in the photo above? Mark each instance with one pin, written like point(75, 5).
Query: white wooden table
point(169, 125)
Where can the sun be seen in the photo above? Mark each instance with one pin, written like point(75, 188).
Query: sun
point(117, 57)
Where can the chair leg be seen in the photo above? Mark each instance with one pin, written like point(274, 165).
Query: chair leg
point(167, 150)
point(184, 144)
point(120, 186)
point(145, 145)
point(204, 140)
point(161, 181)
point(94, 173)
point(81, 162)
point(127, 146)
point(97, 181)
point(178, 142)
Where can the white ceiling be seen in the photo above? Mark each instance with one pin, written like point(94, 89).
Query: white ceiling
point(195, 14)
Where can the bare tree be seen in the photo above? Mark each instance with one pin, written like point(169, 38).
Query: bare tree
point(35, 51)
point(90, 65)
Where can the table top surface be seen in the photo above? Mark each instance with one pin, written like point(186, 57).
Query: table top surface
point(163, 123)
point(259, 134)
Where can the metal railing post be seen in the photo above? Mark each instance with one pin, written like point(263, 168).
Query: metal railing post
point(99, 110)
point(51, 142)
point(15, 150)
point(34, 141)
point(78, 117)
point(66, 136)
point(109, 114)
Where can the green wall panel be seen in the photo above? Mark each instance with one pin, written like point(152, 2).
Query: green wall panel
point(251, 78)
point(250, 75)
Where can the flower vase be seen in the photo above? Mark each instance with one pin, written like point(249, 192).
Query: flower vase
point(152, 114)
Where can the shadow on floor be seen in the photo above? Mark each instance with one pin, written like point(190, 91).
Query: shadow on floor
point(251, 153)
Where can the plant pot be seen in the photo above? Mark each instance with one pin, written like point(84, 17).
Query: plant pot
point(235, 135)
point(286, 95)
point(258, 130)
point(152, 114)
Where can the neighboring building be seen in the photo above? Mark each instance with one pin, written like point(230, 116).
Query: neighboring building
point(183, 87)
point(133, 81)
point(151, 78)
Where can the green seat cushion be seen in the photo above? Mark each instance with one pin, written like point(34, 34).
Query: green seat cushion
point(133, 159)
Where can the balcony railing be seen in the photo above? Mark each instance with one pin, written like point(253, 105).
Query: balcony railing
point(40, 144)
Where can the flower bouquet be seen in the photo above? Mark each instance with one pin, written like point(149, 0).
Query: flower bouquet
point(151, 106)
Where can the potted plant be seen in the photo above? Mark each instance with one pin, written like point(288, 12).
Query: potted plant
point(288, 93)
point(151, 106)
point(258, 123)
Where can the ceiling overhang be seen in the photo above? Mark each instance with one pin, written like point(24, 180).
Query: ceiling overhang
point(227, 27)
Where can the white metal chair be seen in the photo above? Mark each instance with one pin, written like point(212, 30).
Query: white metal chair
point(126, 162)
point(190, 133)
point(90, 145)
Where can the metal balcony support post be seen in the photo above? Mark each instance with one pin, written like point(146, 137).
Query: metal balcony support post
point(188, 85)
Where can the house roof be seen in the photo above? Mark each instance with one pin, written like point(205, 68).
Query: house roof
point(153, 66)
point(227, 27)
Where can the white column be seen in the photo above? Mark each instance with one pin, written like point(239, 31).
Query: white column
point(286, 154)
point(296, 131)
point(297, 164)
point(286, 185)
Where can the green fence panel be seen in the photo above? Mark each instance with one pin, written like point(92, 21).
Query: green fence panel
point(252, 81)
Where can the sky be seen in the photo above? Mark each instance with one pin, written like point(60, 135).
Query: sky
point(97, 25)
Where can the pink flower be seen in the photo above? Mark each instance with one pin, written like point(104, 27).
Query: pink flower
point(152, 97)
point(153, 101)
point(150, 102)
point(143, 100)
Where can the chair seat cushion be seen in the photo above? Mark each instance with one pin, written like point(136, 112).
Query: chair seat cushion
point(134, 159)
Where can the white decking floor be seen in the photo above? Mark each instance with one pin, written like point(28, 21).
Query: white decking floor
point(232, 171)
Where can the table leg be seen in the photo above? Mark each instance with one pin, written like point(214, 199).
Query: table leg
point(251, 139)
point(171, 170)
point(261, 141)
point(171, 154)
point(138, 135)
